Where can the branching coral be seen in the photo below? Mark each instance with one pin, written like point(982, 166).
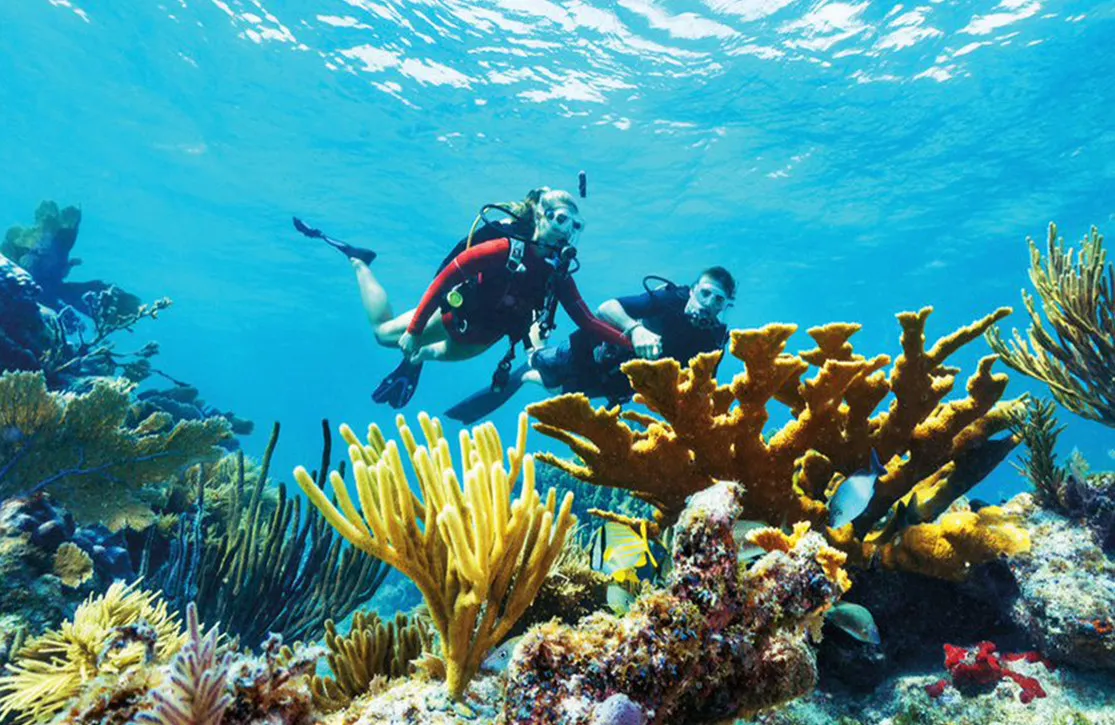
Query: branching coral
point(263, 566)
point(371, 649)
point(934, 451)
point(195, 693)
point(80, 449)
point(1075, 354)
point(124, 629)
point(478, 557)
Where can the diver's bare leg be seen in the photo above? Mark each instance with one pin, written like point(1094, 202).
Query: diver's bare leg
point(378, 307)
point(535, 378)
point(449, 350)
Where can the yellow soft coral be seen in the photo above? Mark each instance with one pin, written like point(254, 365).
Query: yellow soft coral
point(111, 634)
point(478, 557)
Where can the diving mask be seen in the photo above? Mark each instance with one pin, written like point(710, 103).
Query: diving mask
point(558, 222)
point(707, 301)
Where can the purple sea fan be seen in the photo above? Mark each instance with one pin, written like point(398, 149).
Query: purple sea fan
point(195, 693)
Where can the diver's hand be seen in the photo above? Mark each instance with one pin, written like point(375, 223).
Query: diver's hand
point(408, 343)
point(647, 345)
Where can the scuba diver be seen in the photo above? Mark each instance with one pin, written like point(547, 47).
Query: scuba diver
point(503, 278)
point(674, 321)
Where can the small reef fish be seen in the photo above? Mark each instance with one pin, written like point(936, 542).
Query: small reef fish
point(624, 554)
point(748, 552)
point(856, 620)
point(619, 599)
point(851, 499)
point(498, 659)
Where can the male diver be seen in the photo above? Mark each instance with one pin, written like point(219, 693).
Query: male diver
point(504, 277)
point(673, 321)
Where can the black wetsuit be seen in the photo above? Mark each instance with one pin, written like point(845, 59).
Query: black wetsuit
point(575, 365)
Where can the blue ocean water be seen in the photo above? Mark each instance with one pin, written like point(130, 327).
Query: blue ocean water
point(846, 160)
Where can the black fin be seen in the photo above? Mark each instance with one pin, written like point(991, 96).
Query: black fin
point(398, 387)
point(485, 402)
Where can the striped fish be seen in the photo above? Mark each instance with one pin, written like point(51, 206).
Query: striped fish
point(625, 554)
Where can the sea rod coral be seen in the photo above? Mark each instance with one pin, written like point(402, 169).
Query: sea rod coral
point(478, 557)
point(720, 641)
point(1075, 354)
point(934, 451)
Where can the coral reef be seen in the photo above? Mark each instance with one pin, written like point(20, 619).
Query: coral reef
point(48, 528)
point(78, 446)
point(916, 615)
point(934, 451)
point(48, 564)
point(372, 649)
point(717, 642)
point(124, 629)
point(478, 557)
point(1066, 593)
point(1075, 355)
point(63, 329)
point(1068, 490)
point(124, 659)
point(43, 328)
point(182, 402)
point(958, 541)
point(273, 687)
point(44, 249)
point(421, 701)
point(1091, 499)
point(72, 565)
point(13, 634)
point(264, 566)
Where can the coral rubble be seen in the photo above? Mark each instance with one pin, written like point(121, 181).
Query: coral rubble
point(718, 642)
point(934, 451)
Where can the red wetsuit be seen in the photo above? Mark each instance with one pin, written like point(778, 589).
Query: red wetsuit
point(503, 302)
